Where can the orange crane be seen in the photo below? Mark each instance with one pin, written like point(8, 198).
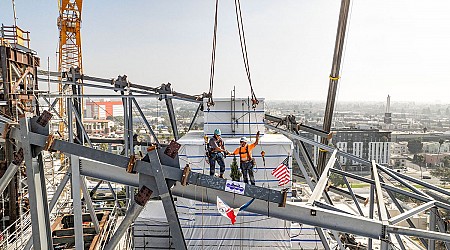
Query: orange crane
point(69, 24)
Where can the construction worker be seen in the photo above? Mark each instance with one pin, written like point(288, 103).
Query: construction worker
point(245, 155)
point(216, 152)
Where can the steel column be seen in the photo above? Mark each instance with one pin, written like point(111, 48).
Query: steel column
point(76, 195)
point(167, 199)
point(76, 185)
point(172, 117)
point(37, 193)
point(432, 216)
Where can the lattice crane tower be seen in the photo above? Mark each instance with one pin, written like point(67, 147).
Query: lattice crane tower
point(69, 24)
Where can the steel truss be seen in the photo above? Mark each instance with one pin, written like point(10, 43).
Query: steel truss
point(379, 189)
point(161, 176)
point(158, 175)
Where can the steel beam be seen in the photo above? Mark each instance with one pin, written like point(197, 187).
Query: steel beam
point(88, 200)
point(301, 213)
point(381, 206)
point(312, 187)
point(135, 208)
point(195, 116)
point(379, 192)
point(80, 125)
point(319, 145)
point(59, 190)
point(302, 167)
point(321, 184)
point(133, 212)
point(147, 124)
point(371, 209)
point(103, 171)
point(410, 213)
point(399, 239)
point(8, 176)
point(350, 190)
point(419, 233)
point(423, 183)
point(383, 185)
point(406, 184)
point(400, 208)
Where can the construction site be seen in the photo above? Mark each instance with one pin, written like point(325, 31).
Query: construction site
point(63, 186)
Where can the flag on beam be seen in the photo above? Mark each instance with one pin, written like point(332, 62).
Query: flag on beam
point(282, 172)
point(231, 213)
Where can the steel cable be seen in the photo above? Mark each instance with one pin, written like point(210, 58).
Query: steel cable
point(213, 59)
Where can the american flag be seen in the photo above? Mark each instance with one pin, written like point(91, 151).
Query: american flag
point(282, 173)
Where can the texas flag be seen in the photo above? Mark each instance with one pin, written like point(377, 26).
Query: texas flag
point(229, 212)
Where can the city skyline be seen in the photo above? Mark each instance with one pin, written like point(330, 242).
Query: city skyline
point(397, 48)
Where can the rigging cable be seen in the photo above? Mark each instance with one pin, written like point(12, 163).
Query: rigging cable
point(213, 60)
point(240, 23)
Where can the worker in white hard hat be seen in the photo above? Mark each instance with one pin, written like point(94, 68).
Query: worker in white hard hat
point(245, 155)
point(216, 152)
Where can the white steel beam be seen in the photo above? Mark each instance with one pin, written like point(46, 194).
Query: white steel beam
point(410, 213)
point(322, 183)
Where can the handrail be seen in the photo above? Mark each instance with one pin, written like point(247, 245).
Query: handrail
point(19, 237)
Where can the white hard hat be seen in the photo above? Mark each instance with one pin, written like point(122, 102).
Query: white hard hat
point(243, 139)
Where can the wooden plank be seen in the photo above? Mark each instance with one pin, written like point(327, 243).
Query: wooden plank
point(71, 239)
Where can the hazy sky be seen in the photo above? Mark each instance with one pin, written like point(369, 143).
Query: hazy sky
point(399, 47)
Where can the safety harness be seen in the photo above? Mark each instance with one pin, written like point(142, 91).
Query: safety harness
point(248, 153)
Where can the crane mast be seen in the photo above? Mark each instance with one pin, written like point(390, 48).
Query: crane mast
point(69, 54)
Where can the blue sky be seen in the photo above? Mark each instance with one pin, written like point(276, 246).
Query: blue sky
point(398, 47)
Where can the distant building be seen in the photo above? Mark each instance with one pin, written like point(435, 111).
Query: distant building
point(399, 148)
point(103, 109)
point(435, 147)
point(388, 114)
point(398, 161)
point(367, 144)
point(434, 159)
point(98, 126)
